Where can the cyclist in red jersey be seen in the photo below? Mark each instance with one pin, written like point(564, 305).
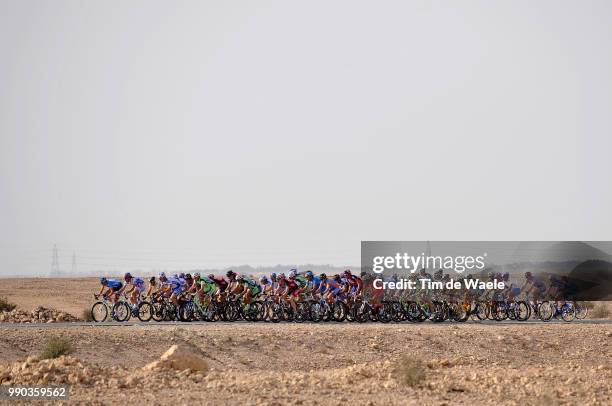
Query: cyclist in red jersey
point(220, 282)
point(355, 284)
point(290, 292)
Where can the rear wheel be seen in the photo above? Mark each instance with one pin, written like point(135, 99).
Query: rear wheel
point(581, 311)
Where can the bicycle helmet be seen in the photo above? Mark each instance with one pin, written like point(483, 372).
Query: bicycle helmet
point(263, 279)
point(196, 275)
point(323, 276)
point(127, 276)
point(181, 275)
point(292, 273)
point(281, 277)
point(273, 276)
point(347, 272)
point(188, 276)
point(103, 280)
point(211, 276)
point(309, 274)
point(239, 278)
point(528, 275)
point(230, 273)
point(506, 276)
point(152, 279)
point(337, 277)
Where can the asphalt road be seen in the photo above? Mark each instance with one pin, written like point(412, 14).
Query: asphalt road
point(138, 324)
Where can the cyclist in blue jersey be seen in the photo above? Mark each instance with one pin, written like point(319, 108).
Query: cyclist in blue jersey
point(266, 285)
point(332, 287)
point(133, 287)
point(314, 282)
point(112, 287)
point(172, 286)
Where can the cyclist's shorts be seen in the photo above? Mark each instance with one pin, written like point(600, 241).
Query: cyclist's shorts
point(255, 290)
point(515, 291)
point(117, 287)
point(177, 290)
point(354, 289)
point(294, 292)
point(334, 291)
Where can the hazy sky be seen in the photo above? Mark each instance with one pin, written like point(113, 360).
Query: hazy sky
point(150, 134)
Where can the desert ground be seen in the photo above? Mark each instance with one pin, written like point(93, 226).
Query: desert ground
point(264, 363)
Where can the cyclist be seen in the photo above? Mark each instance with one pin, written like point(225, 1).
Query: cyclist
point(250, 288)
point(290, 290)
point(314, 282)
point(355, 284)
point(172, 286)
point(299, 279)
point(205, 288)
point(266, 285)
point(533, 286)
point(112, 287)
point(332, 287)
point(136, 287)
point(152, 290)
point(221, 283)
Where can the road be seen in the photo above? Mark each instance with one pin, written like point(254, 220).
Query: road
point(177, 323)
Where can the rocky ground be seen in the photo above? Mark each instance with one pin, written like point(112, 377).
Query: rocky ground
point(38, 315)
point(323, 363)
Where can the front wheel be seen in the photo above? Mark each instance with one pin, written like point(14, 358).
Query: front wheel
point(145, 311)
point(121, 311)
point(99, 312)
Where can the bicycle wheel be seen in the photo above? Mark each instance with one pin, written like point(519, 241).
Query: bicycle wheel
point(158, 311)
point(546, 310)
point(121, 311)
point(568, 312)
point(482, 311)
point(339, 311)
point(522, 311)
point(302, 312)
point(99, 312)
point(145, 311)
point(185, 311)
point(581, 311)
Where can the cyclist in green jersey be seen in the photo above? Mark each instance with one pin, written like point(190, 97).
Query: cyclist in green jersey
point(251, 289)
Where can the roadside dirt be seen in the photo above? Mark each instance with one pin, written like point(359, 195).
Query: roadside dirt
point(336, 364)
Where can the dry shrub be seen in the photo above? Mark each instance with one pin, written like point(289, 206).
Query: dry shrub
point(5, 306)
point(86, 314)
point(409, 371)
point(600, 311)
point(56, 347)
